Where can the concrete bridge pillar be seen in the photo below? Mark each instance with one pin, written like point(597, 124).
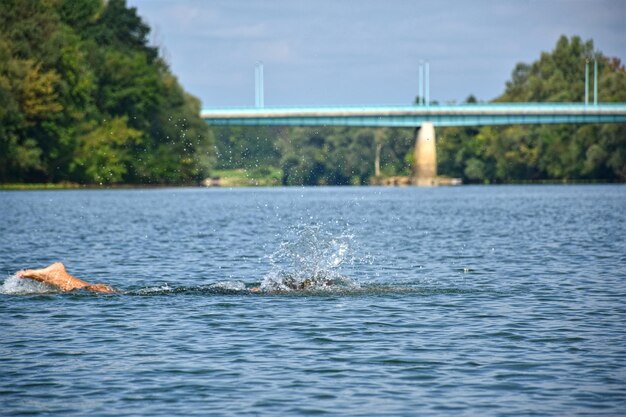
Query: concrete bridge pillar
point(425, 156)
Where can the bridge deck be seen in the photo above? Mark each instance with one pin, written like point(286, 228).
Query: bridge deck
point(413, 116)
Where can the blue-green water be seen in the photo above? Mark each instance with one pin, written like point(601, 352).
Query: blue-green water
point(504, 300)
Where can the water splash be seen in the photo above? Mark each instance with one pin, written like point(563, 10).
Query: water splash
point(19, 286)
point(220, 287)
point(232, 286)
point(311, 259)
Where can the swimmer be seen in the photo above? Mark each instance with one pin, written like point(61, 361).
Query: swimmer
point(56, 276)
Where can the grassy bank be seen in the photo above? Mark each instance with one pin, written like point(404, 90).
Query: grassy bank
point(41, 186)
point(73, 186)
point(260, 177)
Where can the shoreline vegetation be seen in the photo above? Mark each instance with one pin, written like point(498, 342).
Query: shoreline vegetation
point(242, 182)
point(85, 99)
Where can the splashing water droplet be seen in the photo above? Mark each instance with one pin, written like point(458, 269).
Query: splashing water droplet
point(16, 285)
point(310, 259)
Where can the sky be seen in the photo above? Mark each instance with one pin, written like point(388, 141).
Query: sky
point(366, 52)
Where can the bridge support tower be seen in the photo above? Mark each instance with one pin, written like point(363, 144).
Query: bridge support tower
point(425, 170)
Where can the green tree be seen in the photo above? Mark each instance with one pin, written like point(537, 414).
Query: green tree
point(105, 152)
point(531, 152)
point(247, 147)
point(71, 71)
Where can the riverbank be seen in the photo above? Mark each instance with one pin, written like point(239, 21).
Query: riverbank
point(238, 179)
point(74, 186)
point(40, 186)
point(258, 177)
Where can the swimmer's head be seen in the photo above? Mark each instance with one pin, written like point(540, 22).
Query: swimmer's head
point(101, 288)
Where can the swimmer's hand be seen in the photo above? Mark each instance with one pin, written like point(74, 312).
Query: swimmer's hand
point(31, 274)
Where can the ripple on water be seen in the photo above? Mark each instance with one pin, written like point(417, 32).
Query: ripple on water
point(474, 301)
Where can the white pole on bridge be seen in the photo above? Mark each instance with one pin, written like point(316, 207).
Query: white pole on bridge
point(262, 87)
point(259, 99)
point(256, 85)
point(420, 93)
point(427, 82)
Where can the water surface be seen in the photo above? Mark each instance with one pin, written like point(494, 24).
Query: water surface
point(499, 300)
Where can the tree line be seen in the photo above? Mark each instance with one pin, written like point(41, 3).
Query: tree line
point(538, 152)
point(85, 98)
point(490, 154)
point(316, 155)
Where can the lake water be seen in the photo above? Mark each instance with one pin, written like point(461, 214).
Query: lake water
point(486, 300)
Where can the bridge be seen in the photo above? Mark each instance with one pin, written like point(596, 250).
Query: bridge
point(424, 116)
point(412, 116)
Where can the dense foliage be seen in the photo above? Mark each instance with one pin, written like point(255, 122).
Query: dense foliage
point(317, 155)
point(84, 98)
point(537, 152)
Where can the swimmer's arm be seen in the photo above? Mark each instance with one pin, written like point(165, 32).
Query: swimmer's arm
point(56, 276)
